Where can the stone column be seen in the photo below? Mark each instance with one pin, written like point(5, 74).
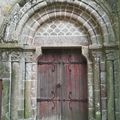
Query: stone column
point(117, 84)
point(21, 88)
point(110, 90)
point(117, 87)
point(5, 75)
point(100, 88)
point(113, 84)
point(15, 77)
point(90, 91)
point(30, 86)
point(86, 52)
point(97, 86)
point(103, 89)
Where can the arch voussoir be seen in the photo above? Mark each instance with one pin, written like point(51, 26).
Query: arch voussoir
point(90, 14)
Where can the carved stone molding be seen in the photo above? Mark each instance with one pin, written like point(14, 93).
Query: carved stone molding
point(29, 56)
point(10, 55)
point(15, 56)
point(97, 55)
point(3, 30)
point(21, 15)
point(112, 54)
point(4, 55)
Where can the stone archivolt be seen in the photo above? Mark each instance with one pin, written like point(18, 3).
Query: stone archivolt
point(89, 15)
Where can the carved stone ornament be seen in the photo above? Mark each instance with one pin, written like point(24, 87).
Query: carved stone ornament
point(3, 30)
point(4, 55)
point(33, 1)
point(112, 54)
point(10, 34)
point(29, 56)
point(97, 56)
point(16, 56)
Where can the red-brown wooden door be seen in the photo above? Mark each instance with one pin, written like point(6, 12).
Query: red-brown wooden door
point(62, 85)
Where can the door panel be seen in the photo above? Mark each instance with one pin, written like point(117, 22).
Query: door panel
point(62, 86)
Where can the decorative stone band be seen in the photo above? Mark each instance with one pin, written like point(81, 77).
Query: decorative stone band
point(33, 48)
point(54, 41)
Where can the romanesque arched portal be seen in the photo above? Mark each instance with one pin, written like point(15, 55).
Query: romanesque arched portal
point(40, 25)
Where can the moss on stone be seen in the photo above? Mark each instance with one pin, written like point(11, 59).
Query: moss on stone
point(98, 115)
point(14, 91)
point(28, 108)
point(21, 114)
point(5, 100)
point(110, 91)
point(4, 70)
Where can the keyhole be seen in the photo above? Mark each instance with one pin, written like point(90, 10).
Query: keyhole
point(58, 85)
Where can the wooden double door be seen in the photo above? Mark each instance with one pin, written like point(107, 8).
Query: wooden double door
point(62, 85)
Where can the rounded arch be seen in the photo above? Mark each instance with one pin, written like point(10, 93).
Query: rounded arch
point(90, 15)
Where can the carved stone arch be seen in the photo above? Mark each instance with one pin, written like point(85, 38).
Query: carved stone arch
point(91, 15)
point(73, 11)
point(94, 20)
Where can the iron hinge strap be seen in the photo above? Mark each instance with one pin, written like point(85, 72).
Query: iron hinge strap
point(61, 100)
point(40, 63)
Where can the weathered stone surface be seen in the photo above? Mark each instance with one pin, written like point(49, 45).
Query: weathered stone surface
point(14, 91)
point(111, 107)
point(61, 41)
point(35, 24)
point(4, 70)
point(6, 100)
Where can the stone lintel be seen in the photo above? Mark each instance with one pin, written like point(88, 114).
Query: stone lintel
point(6, 46)
point(100, 47)
point(14, 46)
point(61, 40)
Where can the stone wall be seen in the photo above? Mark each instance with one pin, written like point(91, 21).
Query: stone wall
point(26, 28)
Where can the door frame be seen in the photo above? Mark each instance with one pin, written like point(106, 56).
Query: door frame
point(87, 54)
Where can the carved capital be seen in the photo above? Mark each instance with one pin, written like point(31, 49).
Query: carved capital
point(38, 51)
point(3, 30)
point(4, 55)
point(15, 56)
point(112, 54)
point(29, 56)
point(98, 54)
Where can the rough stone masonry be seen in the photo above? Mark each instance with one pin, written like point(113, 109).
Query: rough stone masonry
point(29, 26)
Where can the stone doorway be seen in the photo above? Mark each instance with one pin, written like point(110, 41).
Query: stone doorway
point(62, 85)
